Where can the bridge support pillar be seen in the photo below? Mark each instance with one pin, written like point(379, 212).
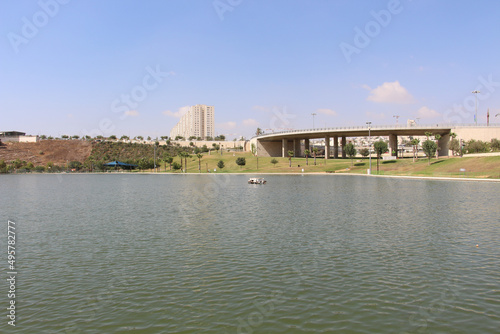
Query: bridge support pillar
point(393, 145)
point(344, 143)
point(296, 147)
point(327, 147)
point(306, 145)
point(443, 145)
point(284, 148)
point(336, 147)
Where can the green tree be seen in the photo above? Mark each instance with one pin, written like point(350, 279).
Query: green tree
point(454, 146)
point(168, 159)
point(253, 149)
point(414, 144)
point(181, 155)
point(315, 151)
point(364, 152)
point(437, 137)
point(186, 156)
point(306, 153)
point(176, 165)
point(290, 155)
point(380, 148)
point(17, 164)
point(75, 165)
point(350, 150)
point(429, 147)
point(495, 144)
point(112, 137)
point(274, 162)
point(220, 164)
point(241, 161)
point(199, 156)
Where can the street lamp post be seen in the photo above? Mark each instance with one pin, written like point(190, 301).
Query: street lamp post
point(397, 118)
point(475, 92)
point(313, 114)
point(369, 147)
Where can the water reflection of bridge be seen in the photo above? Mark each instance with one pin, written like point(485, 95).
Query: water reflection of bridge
point(279, 143)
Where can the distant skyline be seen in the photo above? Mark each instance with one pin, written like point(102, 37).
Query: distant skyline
point(130, 68)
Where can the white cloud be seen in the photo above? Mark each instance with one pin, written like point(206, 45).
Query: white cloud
point(132, 113)
point(390, 92)
point(327, 112)
point(178, 114)
point(226, 126)
point(250, 122)
point(426, 112)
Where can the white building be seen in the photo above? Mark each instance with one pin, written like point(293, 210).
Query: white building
point(16, 136)
point(197, 122)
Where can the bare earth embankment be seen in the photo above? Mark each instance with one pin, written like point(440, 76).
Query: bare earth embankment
point(56, 151)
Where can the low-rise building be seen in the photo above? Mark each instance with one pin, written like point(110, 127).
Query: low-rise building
point(16, 136)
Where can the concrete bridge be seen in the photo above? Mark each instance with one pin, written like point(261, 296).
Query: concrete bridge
point(278, 144)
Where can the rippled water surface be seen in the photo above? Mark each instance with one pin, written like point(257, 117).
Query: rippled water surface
point(212, 254)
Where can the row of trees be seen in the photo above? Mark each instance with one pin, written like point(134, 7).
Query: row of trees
point(141, 138)
point(473, 146)
point(22, 166)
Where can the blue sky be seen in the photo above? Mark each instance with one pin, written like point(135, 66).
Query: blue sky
point(130, 67)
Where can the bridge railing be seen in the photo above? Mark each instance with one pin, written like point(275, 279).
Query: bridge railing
point(378, 127)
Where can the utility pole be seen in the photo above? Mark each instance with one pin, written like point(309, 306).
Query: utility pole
point(313, 114)
point(369, 146)
point(476, 92)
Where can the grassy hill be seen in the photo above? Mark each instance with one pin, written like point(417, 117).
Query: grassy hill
point(482, 167)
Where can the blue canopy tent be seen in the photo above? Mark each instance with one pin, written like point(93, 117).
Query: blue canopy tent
point(119, 164)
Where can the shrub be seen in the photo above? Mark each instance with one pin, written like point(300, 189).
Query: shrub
point(241, 161)
point(220, 164)
point(495, 144)
point(364, 152)
point(176, 165)
point(477, 146)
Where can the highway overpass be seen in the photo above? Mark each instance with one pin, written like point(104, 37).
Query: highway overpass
point(278, 144)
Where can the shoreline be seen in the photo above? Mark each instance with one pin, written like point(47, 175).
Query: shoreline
point(408, 177)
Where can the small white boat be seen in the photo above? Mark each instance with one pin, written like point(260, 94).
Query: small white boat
point(255, 180)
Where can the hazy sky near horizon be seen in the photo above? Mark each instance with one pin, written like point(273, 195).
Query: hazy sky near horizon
point(129, 67)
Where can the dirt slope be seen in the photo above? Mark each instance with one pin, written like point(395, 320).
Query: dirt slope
point(56, 151)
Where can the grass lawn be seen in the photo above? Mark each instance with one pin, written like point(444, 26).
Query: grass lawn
point(480, 167)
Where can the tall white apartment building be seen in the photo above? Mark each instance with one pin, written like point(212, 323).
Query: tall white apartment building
point(197, 122)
